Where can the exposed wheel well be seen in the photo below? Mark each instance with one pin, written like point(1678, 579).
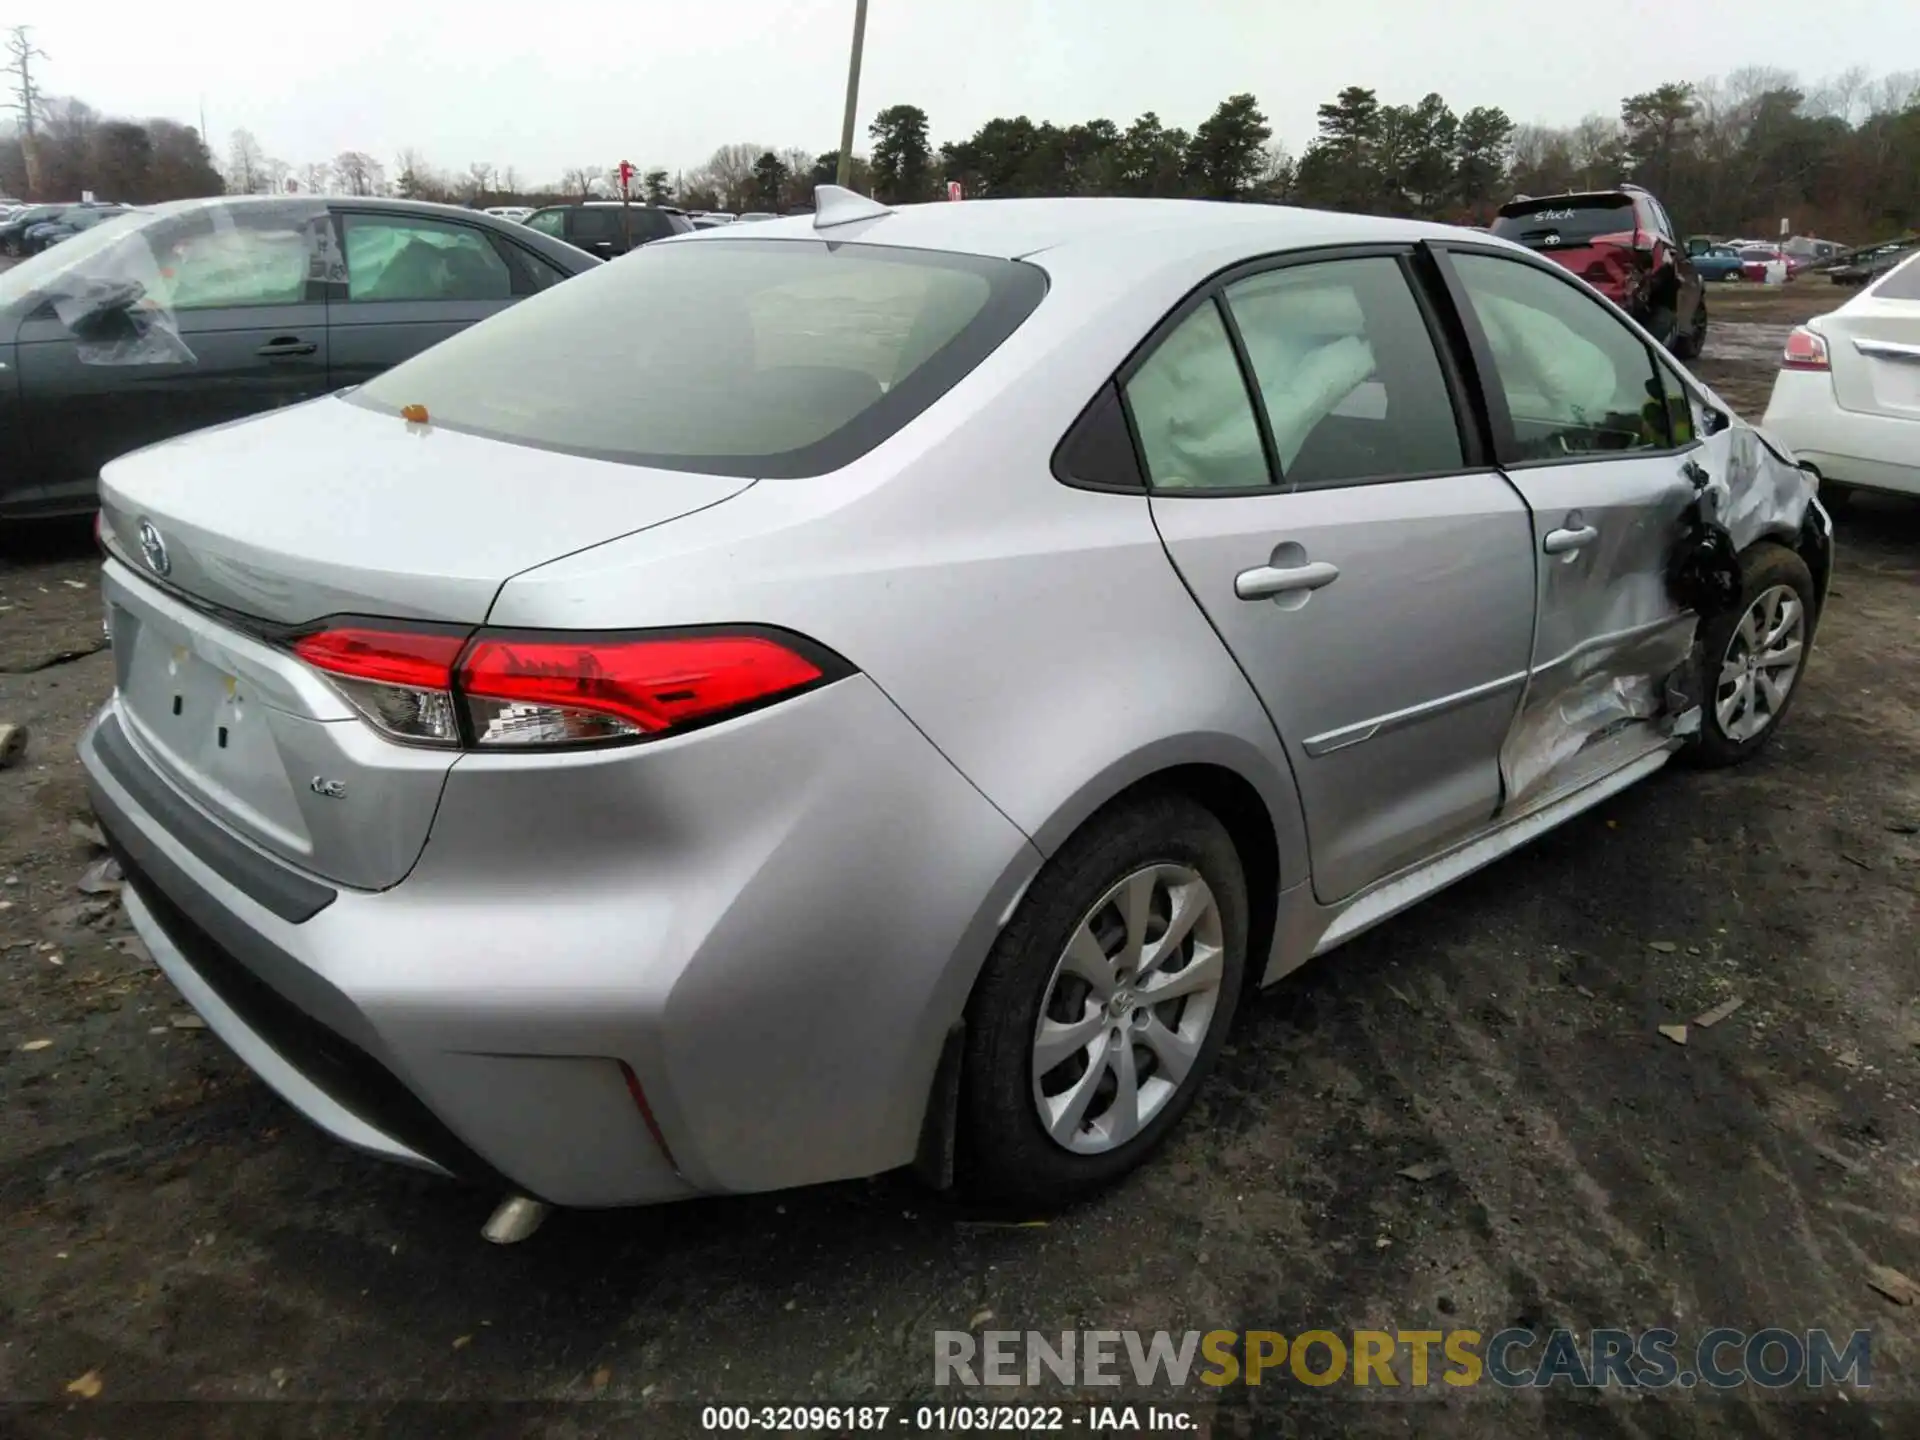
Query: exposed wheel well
point(1237, 806)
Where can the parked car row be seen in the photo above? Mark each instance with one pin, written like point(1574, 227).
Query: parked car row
point(201, 311)
point(29, 229)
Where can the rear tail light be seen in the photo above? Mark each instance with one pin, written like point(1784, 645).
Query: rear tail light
point(1805, 351)
point(541, 689)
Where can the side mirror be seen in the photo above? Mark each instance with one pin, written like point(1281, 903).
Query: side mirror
point(1714, 420)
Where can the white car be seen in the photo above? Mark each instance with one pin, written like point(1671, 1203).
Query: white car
point(1847, 398)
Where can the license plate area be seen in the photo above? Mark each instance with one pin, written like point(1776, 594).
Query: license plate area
point(202, 721)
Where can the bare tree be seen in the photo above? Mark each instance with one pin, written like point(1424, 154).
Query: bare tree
point(319, 178)
point(730, 172)
point(27, 100)
point(509, 181)
point(358, 171)
point(1840, 97)
point(1894, 94)
point(246, 163)
point(580, 180)
point(479, 180)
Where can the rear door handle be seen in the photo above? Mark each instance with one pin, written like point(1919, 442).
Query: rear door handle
point(1560, 542)
point(1266, 581)
point(286, 345)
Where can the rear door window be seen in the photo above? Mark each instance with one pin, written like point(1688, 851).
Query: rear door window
point(764, 358)
point(549, 222)
point(1191, 410)
point(1347, 373)
point(406, 257)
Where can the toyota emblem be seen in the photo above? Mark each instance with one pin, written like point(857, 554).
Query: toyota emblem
point(154, 549)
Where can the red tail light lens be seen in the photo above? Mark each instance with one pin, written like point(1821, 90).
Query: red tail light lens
point(542, 690)
point(437, 686)
point(1805, 351)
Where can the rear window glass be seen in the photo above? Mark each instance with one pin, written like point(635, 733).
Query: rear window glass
point(729, 357)
point(1902, 283)
point(1556, 223)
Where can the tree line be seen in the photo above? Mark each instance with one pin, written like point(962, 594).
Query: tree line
point(1838, 157)
point(75, 149)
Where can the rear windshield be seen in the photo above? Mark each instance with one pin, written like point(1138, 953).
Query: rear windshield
point(1901, 284)
point(1556, 223)
point(773, 358)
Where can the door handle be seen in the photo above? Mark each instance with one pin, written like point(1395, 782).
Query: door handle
point(1266, 581)
point(1562, 542)
point(286, 345)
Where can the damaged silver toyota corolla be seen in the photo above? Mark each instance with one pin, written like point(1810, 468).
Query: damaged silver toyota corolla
point(881, 689)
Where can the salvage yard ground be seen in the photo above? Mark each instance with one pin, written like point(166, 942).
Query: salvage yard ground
point(173, 1232)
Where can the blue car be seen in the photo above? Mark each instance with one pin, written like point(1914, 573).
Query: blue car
point(1718, 262)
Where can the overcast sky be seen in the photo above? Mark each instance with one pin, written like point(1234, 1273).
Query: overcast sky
point(543, 88)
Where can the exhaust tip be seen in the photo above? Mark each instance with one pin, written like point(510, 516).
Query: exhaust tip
point(514, 1219)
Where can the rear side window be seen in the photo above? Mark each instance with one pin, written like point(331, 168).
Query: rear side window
point(729, 357)
point(549, 222)
point(1347, 372)
point(1566, 222)
point(591, 225)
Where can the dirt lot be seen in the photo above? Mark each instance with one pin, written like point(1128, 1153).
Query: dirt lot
point(176, 1233)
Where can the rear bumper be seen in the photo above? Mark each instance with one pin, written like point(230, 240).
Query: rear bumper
point(771, 924)
point(1873, 452)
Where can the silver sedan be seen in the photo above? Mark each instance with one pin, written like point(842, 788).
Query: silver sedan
point(883, 688)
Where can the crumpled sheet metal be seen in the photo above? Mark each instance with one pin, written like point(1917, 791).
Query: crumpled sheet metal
point(117, 298)
point(1753, 490)
point(1758, 490)
point(1564, 713)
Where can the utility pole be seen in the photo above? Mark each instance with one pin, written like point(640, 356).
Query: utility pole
point(22, 52)
point(843, 174)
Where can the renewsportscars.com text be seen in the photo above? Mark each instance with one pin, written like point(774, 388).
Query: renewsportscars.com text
point(1513, 1359)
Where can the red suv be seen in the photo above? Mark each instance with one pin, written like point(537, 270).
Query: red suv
point(1621, 243)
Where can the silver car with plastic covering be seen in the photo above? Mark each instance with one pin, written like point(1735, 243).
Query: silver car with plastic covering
point(881, 689)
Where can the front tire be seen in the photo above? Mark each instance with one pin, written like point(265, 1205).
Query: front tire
point(1103, 1005)
point(1753, 657)
point(1689, 345)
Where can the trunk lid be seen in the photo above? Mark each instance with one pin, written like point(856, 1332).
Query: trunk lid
point(321, 510)
point(329, 508)
point(1873, 347)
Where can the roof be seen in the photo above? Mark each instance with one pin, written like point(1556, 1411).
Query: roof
point(1015, 229)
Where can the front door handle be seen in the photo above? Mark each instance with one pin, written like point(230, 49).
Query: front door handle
point(286, 345)
point(1266, 581)
point(1561, 542)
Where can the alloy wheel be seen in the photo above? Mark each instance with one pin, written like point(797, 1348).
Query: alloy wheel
point(1128, 1008)
point(1762, 661)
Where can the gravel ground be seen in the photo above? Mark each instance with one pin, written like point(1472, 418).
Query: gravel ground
point(177, 1234)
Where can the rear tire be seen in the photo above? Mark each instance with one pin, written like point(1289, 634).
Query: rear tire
point(1151, 860)
point(1753, 658)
